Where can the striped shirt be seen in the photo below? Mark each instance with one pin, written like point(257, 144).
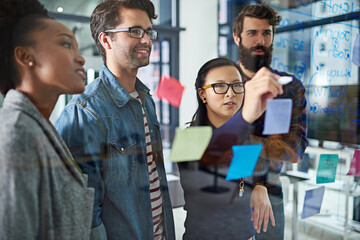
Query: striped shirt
point(154, 181)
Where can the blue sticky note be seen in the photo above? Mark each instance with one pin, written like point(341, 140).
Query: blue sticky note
point(312, 202)
point(327, 168)
point(243, 161)
point(277, 116)
point(356, 51)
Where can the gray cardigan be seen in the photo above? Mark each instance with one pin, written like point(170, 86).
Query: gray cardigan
point(43, 194)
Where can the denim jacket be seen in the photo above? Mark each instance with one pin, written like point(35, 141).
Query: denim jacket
point(104, 130)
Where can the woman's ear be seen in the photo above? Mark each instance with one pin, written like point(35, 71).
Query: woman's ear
point(202, 93)
point(23, 57)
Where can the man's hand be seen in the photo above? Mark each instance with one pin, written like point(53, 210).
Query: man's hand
point(258, 90)
point(261, 209)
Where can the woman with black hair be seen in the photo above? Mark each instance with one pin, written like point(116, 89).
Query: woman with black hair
point(224, 105)
point(44, 194)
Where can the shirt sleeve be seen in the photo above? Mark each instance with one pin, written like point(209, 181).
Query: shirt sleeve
point(297, 136)
point(84, 137)
point(233, 132)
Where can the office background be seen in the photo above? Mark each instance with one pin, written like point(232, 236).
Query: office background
point(314, 41)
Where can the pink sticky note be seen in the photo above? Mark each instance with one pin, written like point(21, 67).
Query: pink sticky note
point(170, 89)
point(355, 164)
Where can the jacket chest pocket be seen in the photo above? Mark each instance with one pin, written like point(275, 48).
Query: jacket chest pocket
point(123, 159)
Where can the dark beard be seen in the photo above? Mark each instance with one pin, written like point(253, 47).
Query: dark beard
point(255, 62)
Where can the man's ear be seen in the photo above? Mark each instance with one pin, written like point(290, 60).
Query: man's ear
point(23, 57)
point(236, 38)
point(104, 40)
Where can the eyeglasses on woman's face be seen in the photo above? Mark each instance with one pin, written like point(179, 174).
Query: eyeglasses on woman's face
point(222, 88)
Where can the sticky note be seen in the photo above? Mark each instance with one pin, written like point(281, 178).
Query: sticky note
point(312, 202)
point(356, 51)
point(327, 168)
point(277, 116)
point(243, 161)
point(355, 164)
point(170, 89)
point(190, 144)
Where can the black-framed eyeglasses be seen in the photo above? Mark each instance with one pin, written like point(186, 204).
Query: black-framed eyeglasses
point(222, 88)
point(136, 32)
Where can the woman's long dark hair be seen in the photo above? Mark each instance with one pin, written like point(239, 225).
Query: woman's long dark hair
point(200, 117)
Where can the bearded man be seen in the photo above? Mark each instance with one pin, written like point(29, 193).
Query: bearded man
point(253, 33)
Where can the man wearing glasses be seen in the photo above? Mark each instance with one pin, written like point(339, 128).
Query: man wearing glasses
point(113, 132)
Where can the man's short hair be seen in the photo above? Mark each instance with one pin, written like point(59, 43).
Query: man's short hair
point(106, 16)
point(259, 11)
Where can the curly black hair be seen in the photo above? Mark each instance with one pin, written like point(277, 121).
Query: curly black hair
point(18, 19)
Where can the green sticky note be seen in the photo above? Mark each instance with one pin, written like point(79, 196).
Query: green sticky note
point(327, 168)
point(190, 143)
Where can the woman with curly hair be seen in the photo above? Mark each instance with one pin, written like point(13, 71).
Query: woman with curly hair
point(44, 194)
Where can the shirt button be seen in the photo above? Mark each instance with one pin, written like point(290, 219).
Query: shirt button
point(122, 149)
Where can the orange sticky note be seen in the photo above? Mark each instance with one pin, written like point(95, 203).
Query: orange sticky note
point(355, 164)
point(170, 89)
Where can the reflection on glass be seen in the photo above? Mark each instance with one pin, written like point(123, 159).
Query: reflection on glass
point(1, 99)
point(223, 46)
point(165, 51)
point(78, 7)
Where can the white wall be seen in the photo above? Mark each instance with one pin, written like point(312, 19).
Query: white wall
point(198, 44)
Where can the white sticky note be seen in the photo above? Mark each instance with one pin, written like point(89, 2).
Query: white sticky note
point(277, 116)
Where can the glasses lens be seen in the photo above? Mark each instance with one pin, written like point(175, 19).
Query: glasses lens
point(238, 87)
point(152, 34)
point(220, 88)
point(136, 32)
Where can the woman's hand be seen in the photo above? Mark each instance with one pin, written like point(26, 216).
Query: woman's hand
point(261, 209)
point(258, 90)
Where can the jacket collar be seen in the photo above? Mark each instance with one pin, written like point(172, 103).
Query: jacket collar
point(17, 100)
point(117, 92)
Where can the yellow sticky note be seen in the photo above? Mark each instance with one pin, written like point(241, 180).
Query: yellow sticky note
point(190, 143)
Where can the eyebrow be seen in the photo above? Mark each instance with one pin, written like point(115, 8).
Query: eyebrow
point(66, 35)
point(252, 30)
point(257, 30)
point(232, 81)
point(149, 28)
